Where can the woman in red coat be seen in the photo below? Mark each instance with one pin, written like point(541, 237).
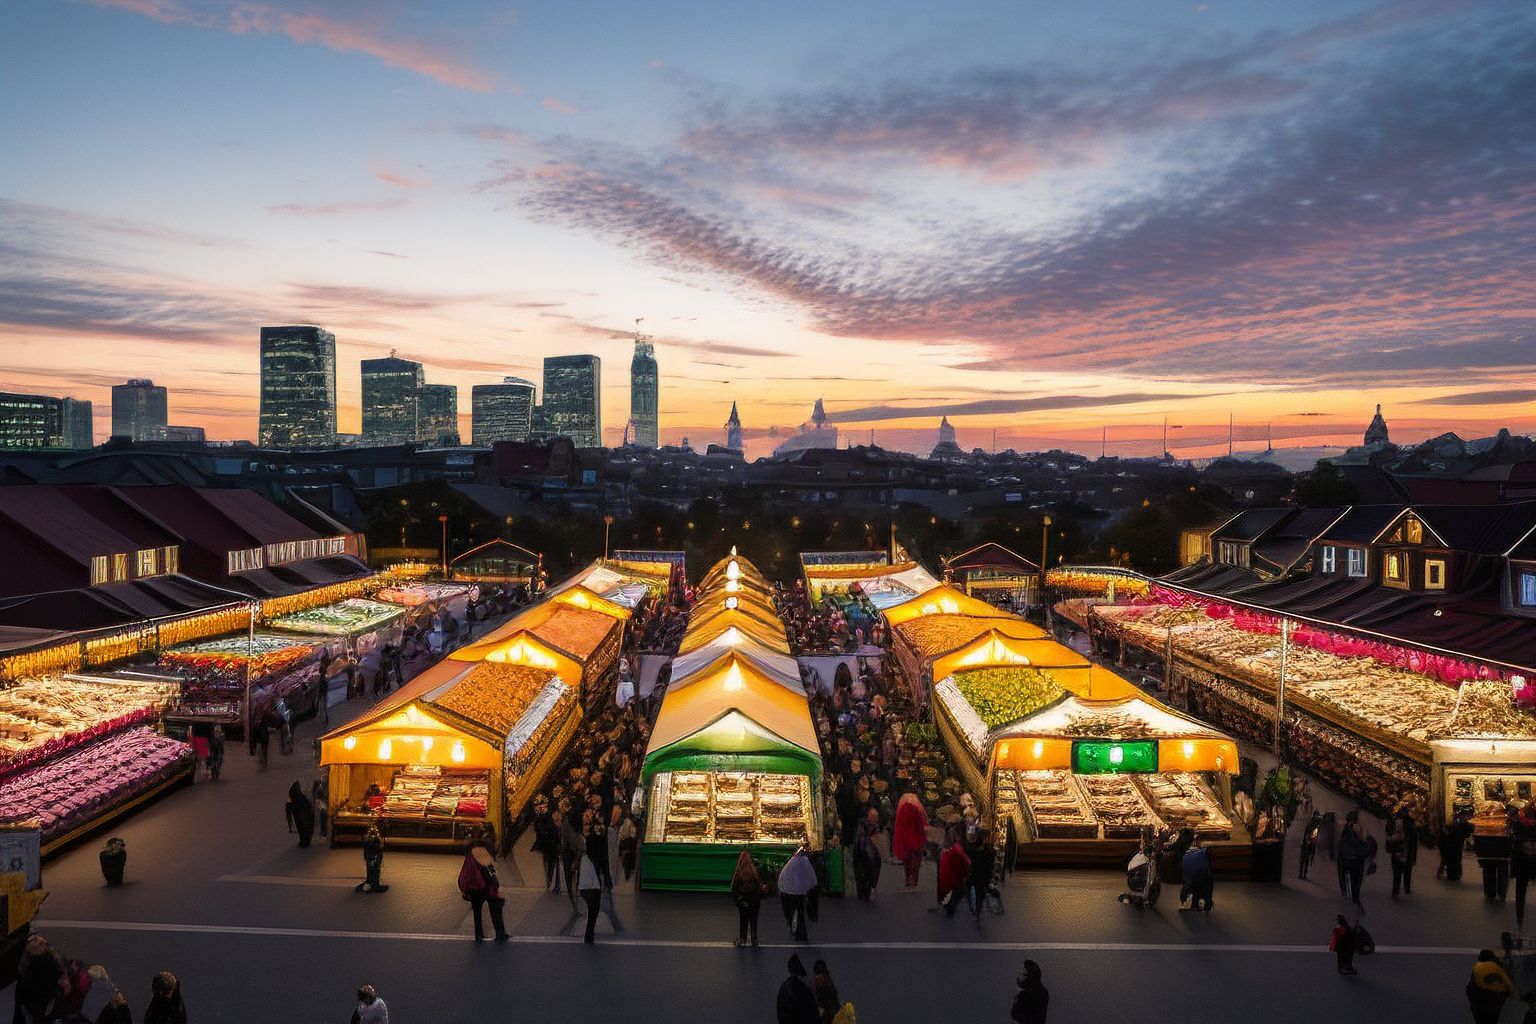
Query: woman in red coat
point(910, 836)
point(954, 873)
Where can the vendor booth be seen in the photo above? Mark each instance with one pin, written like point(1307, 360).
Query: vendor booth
point(457, 752)
point(945, 622)
point(733, 758)
point(995, 573)
point(574, 623)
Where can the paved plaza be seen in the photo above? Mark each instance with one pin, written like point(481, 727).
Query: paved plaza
point(259, 930)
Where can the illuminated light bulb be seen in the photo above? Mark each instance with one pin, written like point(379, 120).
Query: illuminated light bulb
point(731, 586)
point(1116, 755)
point(1189, 749)
point(949, 606)
point(731, 603)
point(733, 570)
point(733, 680)
point(350, 743)
point(1039, 749)
point(733, 550)
point(385, 749)
point(580, 600)
point(457, 753)
point(1002, 752)
point(426, 744)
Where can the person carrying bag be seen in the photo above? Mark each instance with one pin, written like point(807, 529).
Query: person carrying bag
point(479, 885)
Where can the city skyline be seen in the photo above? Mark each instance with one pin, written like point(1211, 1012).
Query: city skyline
point(1288, 214)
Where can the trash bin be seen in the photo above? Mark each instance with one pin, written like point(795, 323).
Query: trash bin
point(114, 858)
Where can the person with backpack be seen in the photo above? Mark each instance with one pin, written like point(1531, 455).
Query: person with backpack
point(1488, 988)
point(479, 885)
point(1342, 943)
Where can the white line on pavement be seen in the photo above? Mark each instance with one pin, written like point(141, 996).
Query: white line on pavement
point(1093, 947)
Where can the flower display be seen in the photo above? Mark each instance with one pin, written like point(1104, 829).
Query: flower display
point(43, 717)
point(355, 615)
point(69, 791)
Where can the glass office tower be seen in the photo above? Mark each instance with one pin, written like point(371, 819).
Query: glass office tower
point(573, 388)
point(298, 387)
point(501, 412)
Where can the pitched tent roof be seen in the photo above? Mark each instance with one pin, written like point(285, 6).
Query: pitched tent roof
point(991, 555)
point(720, 572)
point(1045, 739)
point(730, 649)
point(778, 710)
point(995, 648)
point(705, 628)
point(521, 648)
point(943, 600)
point(933, 635)
point(586, 600)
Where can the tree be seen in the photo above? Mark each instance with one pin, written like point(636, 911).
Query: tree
point(1324, 487)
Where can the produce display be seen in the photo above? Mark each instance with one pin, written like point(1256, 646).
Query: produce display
point(1057, 807)
point(43, 717)
point(1003, 695)
point(427, 791)
point(1119, 805)
point(227, 656)
point(412, 595)
point(1184, 801)
point(733, 807)
point(932, 635)
point(70, 790)
point(495, 694)
point(1086, 581)
point(344, 618)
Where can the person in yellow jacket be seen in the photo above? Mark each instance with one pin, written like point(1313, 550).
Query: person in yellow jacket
point(1489, 988)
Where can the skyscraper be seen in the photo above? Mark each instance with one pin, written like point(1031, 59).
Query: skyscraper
point(31, 421)
point(645, 392)
point(389, 399)
point(501, 412)
point(437, 415)
point(298, 387)
point(573, 389)
point(733, 431)
point(139, 410)
point(78, 424)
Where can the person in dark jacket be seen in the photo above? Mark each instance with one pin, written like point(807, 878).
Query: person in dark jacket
point(1402, 847)
point(572, 845)
point(1030, 1004)
point(1352, 854)
point(301, 814)
point(827, 1001)
point(38, 977)
point(1342, 942)
point(216, 753)
point(866, 856)
point(1523, 857)
point(546, 841)
point(1491, 846)
point(1452, 844)
point(1199, 878)
point(165, 1004)
point(796, 1002)
point(479, 884)
point(983, 860)
point(373, 862)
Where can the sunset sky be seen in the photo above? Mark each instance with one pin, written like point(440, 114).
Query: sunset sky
point(1039, 218)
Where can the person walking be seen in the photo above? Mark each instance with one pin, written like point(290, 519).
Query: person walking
point(301, 814)
point(1491, 844)
point(747, 891)
point(216, 753)
point(572, 845)
point(797, 1003)
point(954, 873)
point(1033, 998)
point(261, 738)
point(1352, 854)
point(866, 856)
point(796, 881)
point(1452, 844)
point(629, 843)
point(909, 837)
point(370, 1008)
point(983, 861)
point(373, 861)
point(320, 796)
point(1402, 845)
point(827, 1002)
point(1488, 988)
point(1523, 859)
point(591, 885)
point(1342, 943)
point(479, 885)
point(546, 841)
point(165, 1002)
point(1199, 876)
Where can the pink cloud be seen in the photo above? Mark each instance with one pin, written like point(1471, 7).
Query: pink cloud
point(387, 174)
point(330, 209)
point(435, 60)
point(550, 103)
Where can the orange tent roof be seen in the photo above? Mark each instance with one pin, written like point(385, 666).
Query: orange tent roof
point(943, 600)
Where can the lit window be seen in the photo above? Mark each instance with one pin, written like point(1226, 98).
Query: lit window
point(1415, 532)
point(1356, 562)
point(119, 568)
point(1330, 558)
point(146, 562)
point(1394, 567)
point(171, 556)
point(1528, 589)
point(1434, 574)
point(101, 570)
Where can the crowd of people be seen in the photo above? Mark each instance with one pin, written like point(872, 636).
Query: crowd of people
point(840, 626)
point(51, 987)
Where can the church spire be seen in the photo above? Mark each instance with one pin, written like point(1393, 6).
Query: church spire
point(1376, 433)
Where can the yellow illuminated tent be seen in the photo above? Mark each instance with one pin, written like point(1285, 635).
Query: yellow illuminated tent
point(521, 648)
point(770, 635)
point(996, 648)
point(943, 600)
point(732, 567)
point(735, 645)
point(1132, 727)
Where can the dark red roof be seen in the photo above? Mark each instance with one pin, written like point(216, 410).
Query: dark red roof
point(991, 555)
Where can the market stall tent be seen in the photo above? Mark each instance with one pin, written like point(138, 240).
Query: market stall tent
point(521, 648)
point(734, 643)
point(943, 600)
point(995, 647)
point(770, 635)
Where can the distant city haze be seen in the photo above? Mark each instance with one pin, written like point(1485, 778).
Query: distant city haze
point(1080, 226)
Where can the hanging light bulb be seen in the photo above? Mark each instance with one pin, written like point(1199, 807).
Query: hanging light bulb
point(731, 603)
point(385, 749)
point(1116, 755)
point(350, 743)
point(733, 570)
point(733, 680)
point(457, 753)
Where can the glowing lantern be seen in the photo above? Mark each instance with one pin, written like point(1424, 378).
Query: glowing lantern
point(350, 743)
point(457, 753)
point(385, 749)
